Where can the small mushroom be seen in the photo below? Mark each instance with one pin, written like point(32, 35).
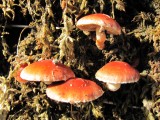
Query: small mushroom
point(17, 73)
point(74, 90)
point(116, 73)
point(99, 22)
point(47, 71)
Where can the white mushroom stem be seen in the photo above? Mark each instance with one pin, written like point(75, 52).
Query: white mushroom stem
point(113, 87)
point(100, 38)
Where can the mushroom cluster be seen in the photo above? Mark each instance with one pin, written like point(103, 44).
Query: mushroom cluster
point(114, 73)
point(65, 87)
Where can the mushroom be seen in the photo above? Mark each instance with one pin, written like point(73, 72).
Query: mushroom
point(116, 73)
point(99, 22)
point(47, 71)
point(17, 73)
point(74, 90)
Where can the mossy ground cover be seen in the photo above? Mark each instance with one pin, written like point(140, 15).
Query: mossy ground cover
point(31, 30)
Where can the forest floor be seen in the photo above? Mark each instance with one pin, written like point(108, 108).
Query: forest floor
point(34, 30)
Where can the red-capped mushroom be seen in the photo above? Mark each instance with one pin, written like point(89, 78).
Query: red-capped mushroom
point(17, 73)
point(74, 90)
point(47, 71)
point(100, 23)
point(116, 73)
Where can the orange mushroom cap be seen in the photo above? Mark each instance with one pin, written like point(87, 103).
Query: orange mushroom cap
point(92, 21)
point(17, 73)
point(47, 71)
point(74, 90)
point(117, 72)
point(99, 23)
